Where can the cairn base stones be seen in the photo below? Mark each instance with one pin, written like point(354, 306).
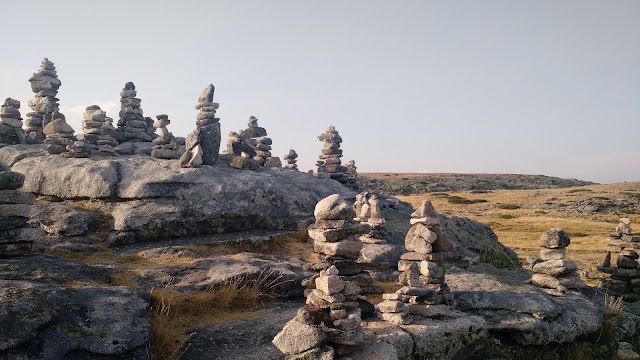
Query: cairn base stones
point(45, 85)
point(58, 134)
point(11, 132)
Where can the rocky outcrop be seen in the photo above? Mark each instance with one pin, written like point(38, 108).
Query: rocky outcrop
point(407, 184)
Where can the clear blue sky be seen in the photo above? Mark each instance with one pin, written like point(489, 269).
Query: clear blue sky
point(539, 87)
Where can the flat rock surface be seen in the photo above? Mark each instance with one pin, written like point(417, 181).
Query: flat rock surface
point(245, 339)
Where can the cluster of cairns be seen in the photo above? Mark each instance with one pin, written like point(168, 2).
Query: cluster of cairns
point(552, 270)
point(14, 214)
point(58, 134)
point(11, 132)
point(133, 126)
point(257, 138)
point(45, 85)
point(336, 242)
point(330, 165)
point(368, 211)
point(624, 279)
point(203, 144)
point(99, 134)
point(424, 291)
point(291, 159)
point(329, 325)
point(165, 146)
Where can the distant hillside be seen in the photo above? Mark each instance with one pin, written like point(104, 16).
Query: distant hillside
point(408, 184)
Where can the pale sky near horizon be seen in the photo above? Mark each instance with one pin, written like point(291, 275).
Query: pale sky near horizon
point(546, 87)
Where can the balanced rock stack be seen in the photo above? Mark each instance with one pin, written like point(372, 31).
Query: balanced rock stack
point(98, 135)
point(241, 154)
point(552, 271)
point(203, 144)
point(329, 325)
point(329, 165)
point(45, 85)
point(336, 242)
point(165, 146)
point(624, 278)
point(256, 136)
point(58, 134)
point(424, 292)
point(352, 169)
point(372, 216)
point(77, 149)
point(11, 123)
point(14, 214)
point(132, 125)
point(290, 158)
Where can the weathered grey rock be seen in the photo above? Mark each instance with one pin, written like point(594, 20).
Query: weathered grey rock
point(571, 281)
point(554, 238)
point(61, 219)
point(553, 254)
point(333, 207)
point(297, 337)
point(554, 267)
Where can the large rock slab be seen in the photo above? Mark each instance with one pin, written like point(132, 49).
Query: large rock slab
point(521, 311)
point(42, 321)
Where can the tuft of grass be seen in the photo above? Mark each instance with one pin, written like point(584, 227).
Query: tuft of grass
point(612, 307)
point(508, 206)
point(497, 259)
point(461, 200)
point(506, 216)
point(573, 191)
point(173, 312)
point(481, 191)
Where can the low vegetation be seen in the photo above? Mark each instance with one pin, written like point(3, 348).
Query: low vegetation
point(461, 200)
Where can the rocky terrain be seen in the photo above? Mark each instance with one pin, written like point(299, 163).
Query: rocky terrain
point(412, 184)
point(110, 233)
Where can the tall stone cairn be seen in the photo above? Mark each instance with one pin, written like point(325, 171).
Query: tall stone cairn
point(291, 159)
point(11, 132)
point(552, 270)
point(624, 279)
point(329, 165)
point(45, 85)
point(203, 144)
point(132, 126)
point(425, 292)
point(99, 133)
point(58, 134)
point(257, 138)
point(14, 214)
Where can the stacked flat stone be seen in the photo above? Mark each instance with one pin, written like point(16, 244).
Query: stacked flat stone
point(241, 154)
point(165, 146)
point(107, 138)
point(58, 134)
point(77, 149)
point(203, 144)
point(290, 158)
point(329, 325)
point(352, 170)
point(256, 136)
point(624, 278)
point(330, 165)
point(93, 120)
point(424, 291)
point(373, 218)
point(14, 214)
point(45, 85)
point(336, 242)
point(11, 132)
point(132, 125)
point(552, 270)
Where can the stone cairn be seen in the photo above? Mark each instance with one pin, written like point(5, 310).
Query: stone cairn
point(58, 134)
point(352, 169)
point(290, 158)
point(165, 146)
point(425, 292)
point(336, 242)
point(257, 137)
point(76, 149)
point(241, 154)
point(11, 132)
point(329, 165)
point(551, 270)
point(45, 85)
point(624, 278)
point(203, 144)
point(132, 126)
point(99, 133)
point(14, 214)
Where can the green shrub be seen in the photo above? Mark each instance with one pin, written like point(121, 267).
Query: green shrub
point(461, 200)
point(481, 191)
point(506, 216)
point(578, 190)
point(508, 206)
point(440, 194)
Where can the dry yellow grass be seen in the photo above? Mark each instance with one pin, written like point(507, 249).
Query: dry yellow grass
point(521, 228)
